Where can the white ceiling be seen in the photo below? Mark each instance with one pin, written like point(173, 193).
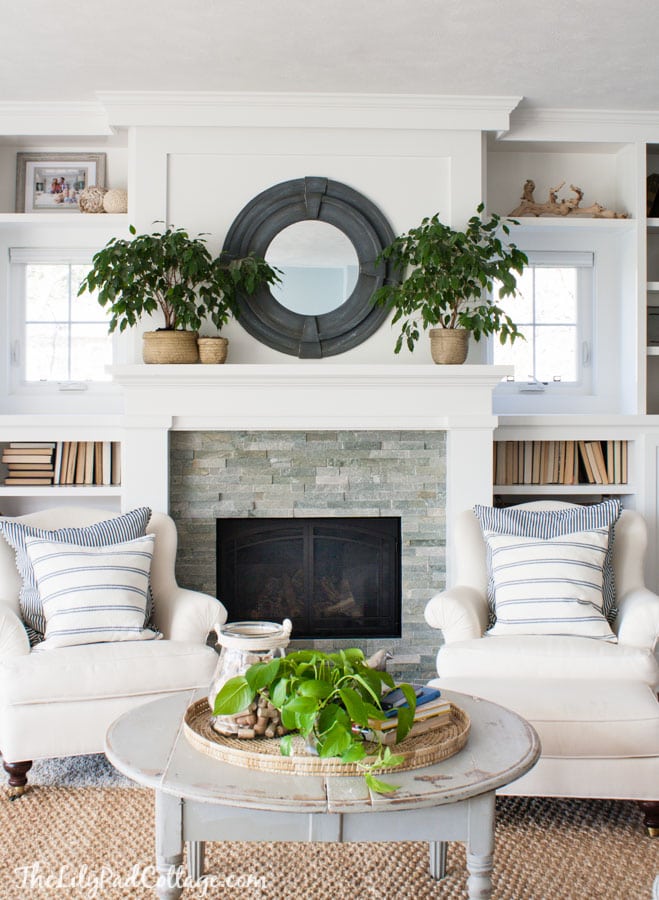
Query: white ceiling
point(583, 54)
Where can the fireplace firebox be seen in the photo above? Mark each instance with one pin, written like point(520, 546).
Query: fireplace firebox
point(333, 577)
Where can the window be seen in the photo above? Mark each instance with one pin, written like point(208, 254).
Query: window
point(57, 337)
point(554, 312)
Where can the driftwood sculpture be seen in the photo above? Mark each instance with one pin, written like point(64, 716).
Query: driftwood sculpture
point(565, 207)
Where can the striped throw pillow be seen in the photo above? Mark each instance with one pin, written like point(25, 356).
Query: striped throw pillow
point(550, 587)
point(110, 531)
point(548, 523)
point(92, 595)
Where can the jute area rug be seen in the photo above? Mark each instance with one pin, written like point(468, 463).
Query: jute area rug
point(73, 842)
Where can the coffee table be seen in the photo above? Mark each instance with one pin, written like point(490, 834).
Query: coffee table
point(199, 798)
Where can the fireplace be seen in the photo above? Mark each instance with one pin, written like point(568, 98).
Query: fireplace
point(333, 577)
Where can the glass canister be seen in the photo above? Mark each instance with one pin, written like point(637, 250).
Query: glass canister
point(243, 644)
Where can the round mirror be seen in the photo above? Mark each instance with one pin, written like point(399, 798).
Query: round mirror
point(319, 267)
point(327, 238)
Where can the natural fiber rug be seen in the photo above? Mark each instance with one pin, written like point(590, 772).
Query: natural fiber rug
point(87, 842)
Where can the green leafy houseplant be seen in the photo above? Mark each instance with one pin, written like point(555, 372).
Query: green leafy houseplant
point(448, 278)
point(327, 698)
point(175, 273)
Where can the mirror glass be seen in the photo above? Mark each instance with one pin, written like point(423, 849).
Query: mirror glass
point(319, 267)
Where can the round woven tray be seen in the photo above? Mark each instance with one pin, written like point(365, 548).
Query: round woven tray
point(264, 753)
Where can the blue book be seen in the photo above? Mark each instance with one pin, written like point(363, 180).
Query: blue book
point(392, 701)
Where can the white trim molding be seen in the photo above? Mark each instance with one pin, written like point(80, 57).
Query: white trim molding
point(589, 125)
point(75, 118)
point(426, 112)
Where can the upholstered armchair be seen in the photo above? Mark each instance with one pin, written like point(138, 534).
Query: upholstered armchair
point(593, 702)
point(60, 701)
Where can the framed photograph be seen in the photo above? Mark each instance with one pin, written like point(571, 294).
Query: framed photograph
point(52, 182)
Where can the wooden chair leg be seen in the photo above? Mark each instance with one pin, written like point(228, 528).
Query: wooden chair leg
point(651, 816)
point(17, 772)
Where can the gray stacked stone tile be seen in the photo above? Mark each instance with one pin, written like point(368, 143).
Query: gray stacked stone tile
point(321, 473)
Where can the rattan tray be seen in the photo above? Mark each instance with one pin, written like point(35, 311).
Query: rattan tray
point(263, 753)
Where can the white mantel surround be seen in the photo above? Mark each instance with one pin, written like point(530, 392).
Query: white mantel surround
point(308, 397)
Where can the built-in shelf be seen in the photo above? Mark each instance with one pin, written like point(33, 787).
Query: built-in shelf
point(562, 489)
point(653, 286)
point(653, 225)
point(60, 490)
point(101, 219)
point(653, 351)
point(554, 223)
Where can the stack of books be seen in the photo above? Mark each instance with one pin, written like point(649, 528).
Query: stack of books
point(88, 462)
point(29, 462)
point(560, 462)
point(431, 712)
point(62, 462)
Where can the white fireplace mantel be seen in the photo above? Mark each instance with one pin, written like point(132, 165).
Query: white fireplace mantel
point(308, 396)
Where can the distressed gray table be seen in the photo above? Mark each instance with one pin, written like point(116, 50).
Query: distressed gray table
point(201, 799)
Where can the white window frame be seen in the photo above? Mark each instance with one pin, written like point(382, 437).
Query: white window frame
point(584, 263)
point(19, 259)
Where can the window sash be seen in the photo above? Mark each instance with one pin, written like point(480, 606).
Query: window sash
point(584, 263)
point(20, 258)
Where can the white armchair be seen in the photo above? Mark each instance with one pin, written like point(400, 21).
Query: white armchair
point(60, 702)
point(593, 703)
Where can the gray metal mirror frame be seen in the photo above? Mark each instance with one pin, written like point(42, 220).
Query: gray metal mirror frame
point(356, 319)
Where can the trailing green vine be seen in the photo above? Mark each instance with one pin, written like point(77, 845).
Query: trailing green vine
point(330, 699)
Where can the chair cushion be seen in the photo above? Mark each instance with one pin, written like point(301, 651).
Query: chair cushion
point(549, 523)
point(551, 586)
point(546, 657)
point(92, 594)
point(111, 531)
point(600, 719)
point(100, 671)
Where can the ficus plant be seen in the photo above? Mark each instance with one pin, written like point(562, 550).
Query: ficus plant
point(174, 273)
point(449, 278)
point(328, 698)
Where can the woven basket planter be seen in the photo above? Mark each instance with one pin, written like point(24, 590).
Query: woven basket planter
point(449, 346)
point(212, 349)
point(170, 347)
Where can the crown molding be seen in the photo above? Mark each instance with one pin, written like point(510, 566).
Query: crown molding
point(582, 124)
point(307, 110)
point(53, 118)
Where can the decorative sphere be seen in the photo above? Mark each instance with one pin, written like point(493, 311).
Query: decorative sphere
point(116, 201)
point(91, 199)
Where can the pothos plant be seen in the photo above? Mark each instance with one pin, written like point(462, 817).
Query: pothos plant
point(175, 273)
point(449, 278)
point(330, 699)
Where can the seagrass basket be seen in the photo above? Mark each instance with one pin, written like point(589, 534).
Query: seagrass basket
point(170, 347)
point(212, 349)
point(449, 346)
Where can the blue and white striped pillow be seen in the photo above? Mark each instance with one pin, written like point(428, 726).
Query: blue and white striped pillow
point(126, 527)
point(92, 595)
point(549, 523)
point(550, 587)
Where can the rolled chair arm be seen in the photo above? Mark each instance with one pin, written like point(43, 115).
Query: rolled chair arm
point(13, 636)
point(185, 615)
point(461, 613)
point(637, 622)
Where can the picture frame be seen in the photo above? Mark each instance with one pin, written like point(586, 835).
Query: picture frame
point(52, 182)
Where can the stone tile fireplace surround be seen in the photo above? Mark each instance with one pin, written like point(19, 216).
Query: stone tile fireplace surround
point(315, 440)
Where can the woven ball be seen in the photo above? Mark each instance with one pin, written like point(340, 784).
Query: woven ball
point(91, 199)
point(116, 201)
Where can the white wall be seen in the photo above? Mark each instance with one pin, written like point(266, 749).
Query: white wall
point(200, 179)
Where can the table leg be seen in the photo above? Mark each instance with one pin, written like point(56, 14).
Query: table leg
point(480, 846)
point(438, 851)
point(196, 854)
point(169, 845)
